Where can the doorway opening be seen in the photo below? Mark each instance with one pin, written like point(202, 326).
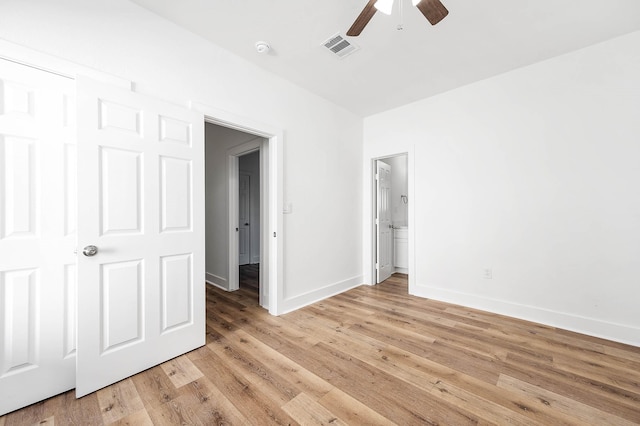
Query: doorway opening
point(238, 208)
point(390, 233)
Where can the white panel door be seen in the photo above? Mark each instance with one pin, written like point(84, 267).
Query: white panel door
point(384, 236)
point(141, 203)
point(244, 219)
point(37, 235)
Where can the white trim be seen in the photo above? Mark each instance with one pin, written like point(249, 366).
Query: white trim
point(302, 300)
point(217, 281)
point(590, 326)
point(212, 284)
point(45, 62)
point(272, 152)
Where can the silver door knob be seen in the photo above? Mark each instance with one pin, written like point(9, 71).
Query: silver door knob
point(90, 251)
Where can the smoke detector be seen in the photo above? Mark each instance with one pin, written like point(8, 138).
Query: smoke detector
point(262, 47)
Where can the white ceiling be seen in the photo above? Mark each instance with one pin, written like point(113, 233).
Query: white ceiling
point(477, 40)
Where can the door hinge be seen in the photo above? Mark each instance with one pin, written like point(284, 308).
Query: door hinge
point(377, 176)
point(274, 235)
point(377, 267)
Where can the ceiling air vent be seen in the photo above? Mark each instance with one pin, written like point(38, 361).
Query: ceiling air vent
point(340, 46)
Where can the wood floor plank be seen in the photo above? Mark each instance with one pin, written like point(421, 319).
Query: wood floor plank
point(582, 412)
point(307, 411)
point(83, 411)
point(468, 362)
point(608, 372)
point(118, 401)
point(306, 381)
point(400, 401)
point(139, 418)
point(209, 404)
point(442, 382)
point(482, 341)
point(154, 387)
point(181, 371)
point(351, 410)
point(463, 390)
point(372, 355)
point(254, 405)
point(174, 412)
point(265, 379)
point(582, 390)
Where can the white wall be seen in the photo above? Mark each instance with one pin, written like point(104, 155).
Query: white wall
point(163, 60)
point(534, 174)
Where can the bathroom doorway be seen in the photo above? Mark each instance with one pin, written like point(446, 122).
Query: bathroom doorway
point(391, 216)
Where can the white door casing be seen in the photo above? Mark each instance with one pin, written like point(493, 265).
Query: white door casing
point(37, 235)
point(244, 219)
point(384, 234)
point(141, 186)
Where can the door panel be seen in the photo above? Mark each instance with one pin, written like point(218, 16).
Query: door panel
point(20, 289)
point(141, 298)
point(122, 307)
point(69, 311)
point(120, 189)
point(384, 226)
point(176, 291)
point(175, 192)
point(37, 236)
point(19, 173)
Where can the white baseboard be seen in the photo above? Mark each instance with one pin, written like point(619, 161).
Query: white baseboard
point(217, 281)
point(296, 302)
point(590, 326)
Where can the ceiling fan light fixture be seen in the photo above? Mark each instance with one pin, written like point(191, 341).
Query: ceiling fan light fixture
point(384, 6)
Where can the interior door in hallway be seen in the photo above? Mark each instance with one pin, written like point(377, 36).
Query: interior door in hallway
point(141, 207)
point(244, 219)
point(37, 235)
point(384, 234)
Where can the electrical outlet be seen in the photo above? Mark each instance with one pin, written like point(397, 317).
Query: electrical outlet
point(487, 273)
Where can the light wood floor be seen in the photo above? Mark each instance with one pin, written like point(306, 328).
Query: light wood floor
point(373, 355)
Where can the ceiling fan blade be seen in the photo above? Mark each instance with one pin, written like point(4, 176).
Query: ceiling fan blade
point(433, 10)
point(363, 19)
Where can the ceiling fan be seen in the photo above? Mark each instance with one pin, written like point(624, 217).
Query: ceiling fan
point(433, 10)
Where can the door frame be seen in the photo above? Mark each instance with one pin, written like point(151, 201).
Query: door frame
point(374, 214)
point(271, 200)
